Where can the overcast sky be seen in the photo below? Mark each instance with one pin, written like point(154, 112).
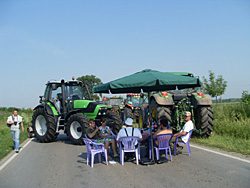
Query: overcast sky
point(50, 40)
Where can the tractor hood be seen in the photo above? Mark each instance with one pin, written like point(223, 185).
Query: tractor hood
point(87, 105)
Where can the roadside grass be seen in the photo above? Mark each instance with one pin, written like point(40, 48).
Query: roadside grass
point(6, 143)
point(226, 143)
point(231, 128)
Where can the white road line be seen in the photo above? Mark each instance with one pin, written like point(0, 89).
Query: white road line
point(216, 152)
point(13, 156)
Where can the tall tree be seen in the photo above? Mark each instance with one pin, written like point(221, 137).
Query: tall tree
point(92, 81)
point(214, 87)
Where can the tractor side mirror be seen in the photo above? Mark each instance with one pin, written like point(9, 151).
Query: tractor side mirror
point(41, 99)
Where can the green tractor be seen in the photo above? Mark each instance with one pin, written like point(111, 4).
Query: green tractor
point(135, 105)
point(172, 104)
point(114, 104)
point(64, 107)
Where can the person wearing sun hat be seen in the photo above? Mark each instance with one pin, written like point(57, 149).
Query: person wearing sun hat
point(129, 130)
point(184, 133)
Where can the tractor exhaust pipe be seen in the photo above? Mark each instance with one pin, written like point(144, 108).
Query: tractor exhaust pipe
point(87, 89)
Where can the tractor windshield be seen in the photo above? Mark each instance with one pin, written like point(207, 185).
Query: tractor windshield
point(115, 102)
point(74, 92)
point(188, 90)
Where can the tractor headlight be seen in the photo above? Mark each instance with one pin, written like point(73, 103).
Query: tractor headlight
point(99, 113)
point(104, 113)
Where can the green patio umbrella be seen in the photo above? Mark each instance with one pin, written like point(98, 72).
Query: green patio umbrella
point(148, 80)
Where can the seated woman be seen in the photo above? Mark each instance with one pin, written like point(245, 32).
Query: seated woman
point(106, 135)
point(105, 131)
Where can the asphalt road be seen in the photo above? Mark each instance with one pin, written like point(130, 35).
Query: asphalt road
point(61, 164)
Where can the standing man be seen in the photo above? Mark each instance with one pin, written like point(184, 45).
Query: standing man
point(15, 122)
point(184, 133)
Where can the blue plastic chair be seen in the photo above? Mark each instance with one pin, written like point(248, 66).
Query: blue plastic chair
point(187, 143)
point(94, 148)
point(129, 144)
point(163, 145)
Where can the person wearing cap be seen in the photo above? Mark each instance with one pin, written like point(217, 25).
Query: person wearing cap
point(184, 133)
point(129, 130)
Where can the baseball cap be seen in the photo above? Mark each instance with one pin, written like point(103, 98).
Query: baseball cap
point(187, 113)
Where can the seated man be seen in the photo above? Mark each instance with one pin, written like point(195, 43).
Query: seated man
point(129, 130)
point(184, 132)
point(93, 133)
point(164, 130)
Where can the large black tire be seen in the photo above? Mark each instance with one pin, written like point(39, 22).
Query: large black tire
point(204, 121)
point(143, 117)
point(44, 126)
point(77, 125)
point(127, 113)
point(158, 111)
point(114, 122)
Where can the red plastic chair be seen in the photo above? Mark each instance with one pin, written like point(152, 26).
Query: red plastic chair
point(163, 145)
point(129, 144)
point(187, 143)
point(95, 148)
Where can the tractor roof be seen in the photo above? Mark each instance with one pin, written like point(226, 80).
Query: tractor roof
point(66, 82)
point(182, 73)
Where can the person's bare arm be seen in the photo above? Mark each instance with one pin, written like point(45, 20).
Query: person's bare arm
point(91, 135)
point(22, 127)
point(180, 134)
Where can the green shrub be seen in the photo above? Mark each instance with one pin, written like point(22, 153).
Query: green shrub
point(232, 120)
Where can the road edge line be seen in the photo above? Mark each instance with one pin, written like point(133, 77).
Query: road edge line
point(223, 154)
point(14, 155)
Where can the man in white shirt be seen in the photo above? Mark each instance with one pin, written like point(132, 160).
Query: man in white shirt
point(184, 133)
point(129, 130)
point(15, 121)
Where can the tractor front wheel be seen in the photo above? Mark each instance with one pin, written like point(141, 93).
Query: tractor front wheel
point(43, 126)
point(77, 125)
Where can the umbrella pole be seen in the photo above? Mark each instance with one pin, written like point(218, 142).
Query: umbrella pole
point(152, 161)
point(151, 133)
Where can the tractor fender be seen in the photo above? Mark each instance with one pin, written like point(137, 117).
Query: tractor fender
point(71, 113)
point(162, 100)
point(47, 108)
point(200, 101)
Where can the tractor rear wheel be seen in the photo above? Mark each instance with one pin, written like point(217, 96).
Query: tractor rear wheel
point(204, 121)
point(43, 126)
point(77, 125)
point(114, 122)
point(127, 113)
point(143, 117)
point(158, 111)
